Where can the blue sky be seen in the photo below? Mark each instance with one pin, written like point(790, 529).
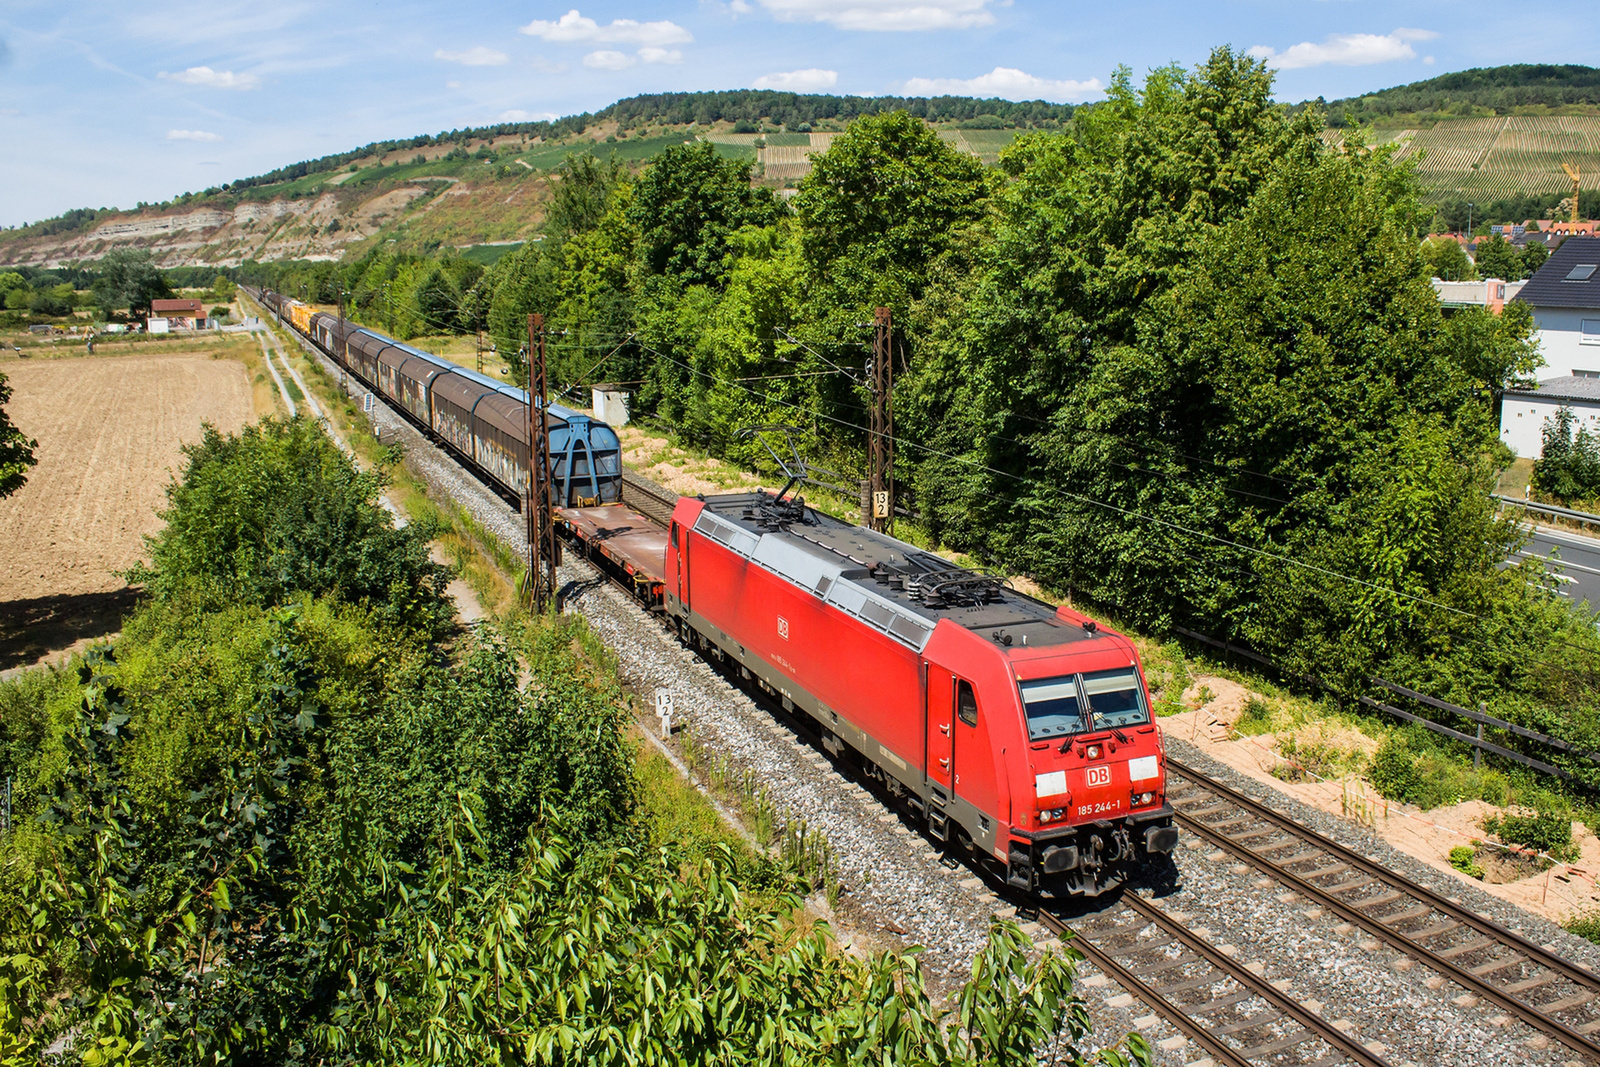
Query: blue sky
point(106, 104)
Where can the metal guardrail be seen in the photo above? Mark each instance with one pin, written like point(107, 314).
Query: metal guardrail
point(1549, 509)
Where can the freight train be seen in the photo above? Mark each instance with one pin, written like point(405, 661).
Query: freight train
point(484, 422)
point(1020, 734)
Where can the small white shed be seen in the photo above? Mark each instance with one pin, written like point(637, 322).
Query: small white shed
point(611, 404)
point(1524, 412)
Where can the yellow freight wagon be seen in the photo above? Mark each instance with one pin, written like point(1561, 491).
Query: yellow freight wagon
point(300, 314)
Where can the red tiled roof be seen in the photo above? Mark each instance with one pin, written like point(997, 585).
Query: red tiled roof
point(176, 307)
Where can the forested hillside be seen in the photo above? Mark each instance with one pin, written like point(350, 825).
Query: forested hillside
point(1219, 395)
point(1512, 89)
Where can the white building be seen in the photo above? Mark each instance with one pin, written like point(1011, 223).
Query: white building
point(1565, 297)
point(1524, 412)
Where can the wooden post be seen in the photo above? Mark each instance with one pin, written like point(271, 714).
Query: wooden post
point(880, 471)
point(544, 554)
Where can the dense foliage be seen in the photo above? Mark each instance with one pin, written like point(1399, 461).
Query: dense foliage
point(288, 818)
point(16, 448)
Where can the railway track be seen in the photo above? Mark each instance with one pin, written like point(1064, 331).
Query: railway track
point(1236, 1015)
point(1547, 992)
point(648, 498)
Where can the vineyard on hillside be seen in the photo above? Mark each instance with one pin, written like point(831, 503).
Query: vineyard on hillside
point(1500, 157)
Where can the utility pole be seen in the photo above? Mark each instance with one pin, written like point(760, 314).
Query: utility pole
point(544, 554)
point(880, 471)
point(480, 351)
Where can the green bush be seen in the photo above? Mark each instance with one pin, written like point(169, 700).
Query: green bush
point(1585, 924)
point(1394, 772)
point(1464, 858)
point(277, 510)
point(1254, 718)
point(1548, 829)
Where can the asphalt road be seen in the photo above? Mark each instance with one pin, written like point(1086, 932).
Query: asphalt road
point(1574, 560)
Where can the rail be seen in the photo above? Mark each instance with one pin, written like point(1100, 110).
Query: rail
point(1193, 950)
point(1407, 916)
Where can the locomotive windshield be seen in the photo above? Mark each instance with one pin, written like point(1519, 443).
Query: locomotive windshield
point(1116, 699)
point(1055, 708)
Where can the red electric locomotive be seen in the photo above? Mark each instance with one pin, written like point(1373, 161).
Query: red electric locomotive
point(1019, 731)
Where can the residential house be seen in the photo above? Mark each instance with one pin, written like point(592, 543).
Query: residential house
point(1565, 297)
point(183, 314)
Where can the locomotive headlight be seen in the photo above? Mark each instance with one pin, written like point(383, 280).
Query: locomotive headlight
point(1143, 798)
point(1093, 752)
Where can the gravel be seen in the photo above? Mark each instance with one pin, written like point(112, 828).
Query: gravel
point(897, 892)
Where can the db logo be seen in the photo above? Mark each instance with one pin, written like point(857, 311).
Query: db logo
point(1099, 776)
point(783, 627)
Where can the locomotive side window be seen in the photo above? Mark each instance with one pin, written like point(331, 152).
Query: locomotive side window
point(966, 703)
point(674, 535)
point(1116, 698)
point(1053, 707)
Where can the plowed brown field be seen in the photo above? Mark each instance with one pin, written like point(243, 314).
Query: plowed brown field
point(109, 432)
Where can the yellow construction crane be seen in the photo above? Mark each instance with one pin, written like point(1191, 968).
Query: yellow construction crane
point(1572, 172)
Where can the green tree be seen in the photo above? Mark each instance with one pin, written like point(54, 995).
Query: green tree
point(277, 510)
point(1534, 253)
point(1497, 258)
point(16, 448)
point(882, 202)
point(1446, 259)
point(129, 278)
point(686, 206)
point(1568, 467)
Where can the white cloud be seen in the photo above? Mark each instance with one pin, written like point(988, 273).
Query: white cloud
point(452, 85)
point(1346, 50)
point(516, 114)
point(573, 28)
point(661, 55)
point(192, 135)
point(885, 14)
point(608, 60)
point(810, 80)
point(474, 57)
point(213, 79)
point(1008, 83)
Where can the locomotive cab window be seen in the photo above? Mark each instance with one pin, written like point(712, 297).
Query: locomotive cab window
point(1116, 698)
point(674, 535)
point(966, 703)
point(1053, 707)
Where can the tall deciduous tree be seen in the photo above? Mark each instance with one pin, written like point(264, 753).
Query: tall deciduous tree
point(685, 207)
point(16, 448)
point(1446, 259)
point(129, 278)
point(1497, 258)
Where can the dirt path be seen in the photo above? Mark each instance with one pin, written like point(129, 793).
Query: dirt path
point(109, 433)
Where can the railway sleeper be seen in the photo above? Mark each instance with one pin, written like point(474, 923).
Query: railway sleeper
point(1405, 916)
point(1479, 942)
point(1211, 1005)
point(1528, 984)
point(1253, 1022)
point(1566, 1003)
point(1299, 1037)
